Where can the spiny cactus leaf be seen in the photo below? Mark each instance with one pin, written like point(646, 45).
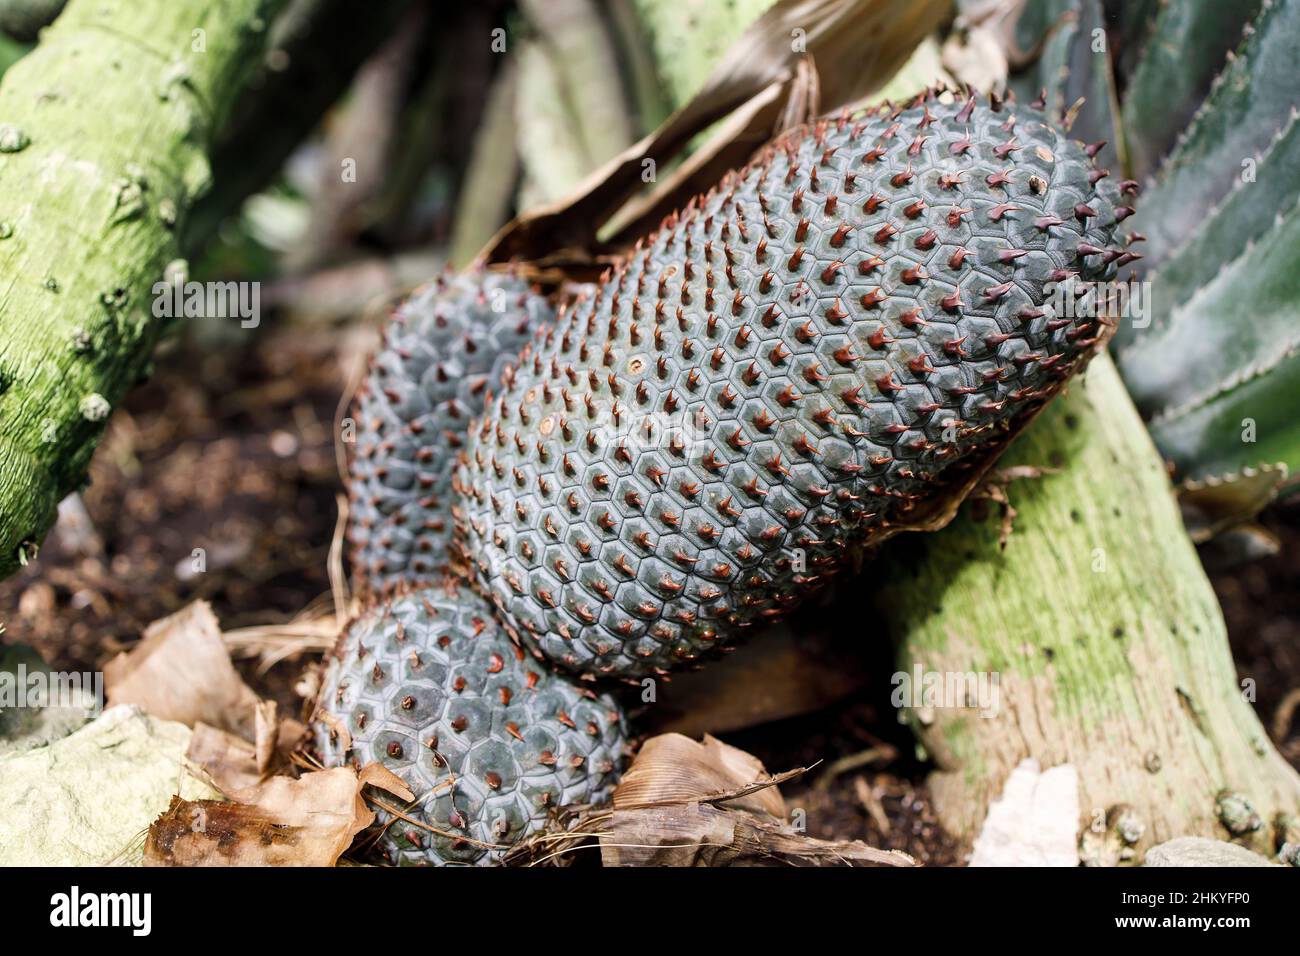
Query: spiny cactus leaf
point(1173, 72)
point(1216, 370)
point(1053, 24)
point(1204, 378)
point(1208, 438)
point(1088, 78)
point(1213, 504)
point(1246, 214)
point(1074, 66)
point(1263, 287)
point(1132, 24)
point(1248, 104)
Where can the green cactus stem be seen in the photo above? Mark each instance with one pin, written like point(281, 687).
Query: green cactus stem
point(1110, 648)
point(101, 126)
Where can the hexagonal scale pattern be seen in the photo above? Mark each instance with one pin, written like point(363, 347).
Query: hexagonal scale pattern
point(444, 349)
point(787, 369)
point(489, 739)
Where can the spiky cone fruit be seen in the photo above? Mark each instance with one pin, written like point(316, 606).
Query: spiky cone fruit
point(490, 740)
point(818, 353)
point(442, 350)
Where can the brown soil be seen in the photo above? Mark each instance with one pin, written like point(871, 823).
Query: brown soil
point(228, 450)
point(231, 450)
point(1261, 603)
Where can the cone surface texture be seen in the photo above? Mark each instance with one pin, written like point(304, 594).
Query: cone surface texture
point(488, 738)
point(444, 348)
point(795, 364)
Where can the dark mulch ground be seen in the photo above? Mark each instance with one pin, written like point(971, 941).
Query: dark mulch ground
point(1261, 603)
point(231, 450)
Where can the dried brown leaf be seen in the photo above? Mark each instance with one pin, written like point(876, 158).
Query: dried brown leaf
point(181, 671)
point(308, 821)
point(673, 768)
point(377, 775)
point(233, 763)
point(335, 724)
point(857, 46)
point(229, 761)
point(686, 803)
point(710, 836)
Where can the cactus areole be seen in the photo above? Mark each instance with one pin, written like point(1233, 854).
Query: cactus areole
point(820, 352)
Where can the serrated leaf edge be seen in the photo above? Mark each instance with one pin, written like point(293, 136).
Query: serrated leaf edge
point(1181, 311)
point(1227, 386)
point(1141, 66)
point(1230, 477)
point(1240, 184)
point(1174, 158)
